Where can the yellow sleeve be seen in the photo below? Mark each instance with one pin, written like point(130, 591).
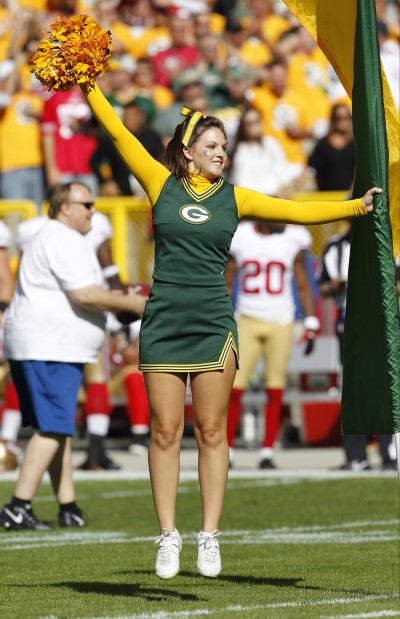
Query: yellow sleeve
point(150, 173)
point(254, 205)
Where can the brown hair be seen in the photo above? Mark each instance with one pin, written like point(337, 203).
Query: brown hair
point(175, 159)
point(58, 195)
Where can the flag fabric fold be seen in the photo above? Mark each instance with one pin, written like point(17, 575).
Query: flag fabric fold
point(346, 32)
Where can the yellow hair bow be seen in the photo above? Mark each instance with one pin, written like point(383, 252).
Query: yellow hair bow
point(194, 119)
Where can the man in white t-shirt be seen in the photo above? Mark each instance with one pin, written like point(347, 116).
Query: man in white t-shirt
point(268, 256)
point(54, 325)
point(96, 405)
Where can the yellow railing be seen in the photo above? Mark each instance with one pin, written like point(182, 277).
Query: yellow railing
point(26, 208)
point(326, 196)
point(132, 245)
point(321, 233)
point(12, 212)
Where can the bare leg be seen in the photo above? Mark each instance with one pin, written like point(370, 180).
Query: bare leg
point(166, 394)
point(39, 454)
point(60, 471)
point(210, 393)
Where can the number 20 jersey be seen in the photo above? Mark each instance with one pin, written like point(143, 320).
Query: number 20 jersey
point(265, 265)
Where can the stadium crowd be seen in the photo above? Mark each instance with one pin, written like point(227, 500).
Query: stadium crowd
point(248, 62)
point(217, 56)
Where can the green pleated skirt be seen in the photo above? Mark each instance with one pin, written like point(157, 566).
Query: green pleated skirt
point(187, 329)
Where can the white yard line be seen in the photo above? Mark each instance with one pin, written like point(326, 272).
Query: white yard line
point(368, 532)
point(315, 527)
point(205, 612)
point(379, 613)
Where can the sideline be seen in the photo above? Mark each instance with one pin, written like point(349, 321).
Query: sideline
point(205, 612)
point(306, 474)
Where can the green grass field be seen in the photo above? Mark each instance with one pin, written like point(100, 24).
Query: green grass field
point(291, 547)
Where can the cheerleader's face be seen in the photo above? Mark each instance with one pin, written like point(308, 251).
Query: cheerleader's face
point(207, 155)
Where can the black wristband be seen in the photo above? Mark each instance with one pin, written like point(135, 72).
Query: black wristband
point(3, 306)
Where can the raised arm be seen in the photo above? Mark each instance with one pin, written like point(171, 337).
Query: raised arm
point(254, 205)
point(150, 173)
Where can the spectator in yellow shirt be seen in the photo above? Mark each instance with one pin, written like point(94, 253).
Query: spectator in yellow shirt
point(21, 158)
point(308, 75)
point(284, 113)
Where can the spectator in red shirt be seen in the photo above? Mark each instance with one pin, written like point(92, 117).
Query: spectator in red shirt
point(68, 139)
point(183, 52)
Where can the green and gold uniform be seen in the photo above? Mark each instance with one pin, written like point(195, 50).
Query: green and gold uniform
point(188, 324)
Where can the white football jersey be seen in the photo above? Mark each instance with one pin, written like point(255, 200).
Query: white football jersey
point(5, 235)
point(101, 230)
point(265, 264)
point(27, 229)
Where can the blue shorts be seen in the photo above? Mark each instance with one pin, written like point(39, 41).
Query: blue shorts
point(48, 393)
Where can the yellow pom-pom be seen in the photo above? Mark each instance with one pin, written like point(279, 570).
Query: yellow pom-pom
point(76, 52)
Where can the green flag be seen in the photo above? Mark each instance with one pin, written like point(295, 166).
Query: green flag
point(371, 370)
point(346, 32)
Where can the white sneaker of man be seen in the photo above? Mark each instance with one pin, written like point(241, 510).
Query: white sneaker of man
point(208, 555)
point(167, 560)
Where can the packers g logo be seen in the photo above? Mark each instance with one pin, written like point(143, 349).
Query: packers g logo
point(194, 214)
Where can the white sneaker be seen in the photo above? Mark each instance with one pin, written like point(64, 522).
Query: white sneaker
point(208, 555)
point(167, 561)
